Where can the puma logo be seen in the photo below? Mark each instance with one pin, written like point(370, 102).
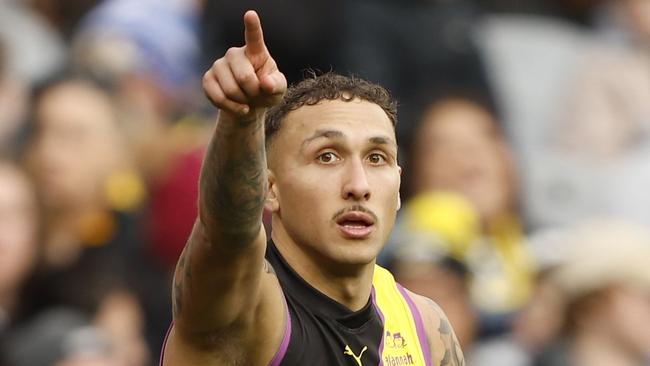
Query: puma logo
point(348, 351)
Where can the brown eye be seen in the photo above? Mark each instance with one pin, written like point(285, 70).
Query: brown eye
point(328, 157)
point(376, 159)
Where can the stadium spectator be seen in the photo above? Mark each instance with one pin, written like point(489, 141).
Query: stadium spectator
point(538, 323)
point(82, 169)
point(155, 79)
point(91, 197)
point(34, 48)
point(13, 104)
point(420, 266)
point(19, 238)
point(606, 283)
point(599, 144)
point(463, 188)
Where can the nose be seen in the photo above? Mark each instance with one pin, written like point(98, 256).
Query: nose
point(355, 182)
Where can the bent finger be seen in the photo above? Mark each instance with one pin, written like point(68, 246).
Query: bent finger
point(229, 85)
point(244, 74)
point(216, 95)
point(274, 83)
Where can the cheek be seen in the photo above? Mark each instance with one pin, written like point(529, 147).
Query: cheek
point(385, 200)
point(301, 193)
point(384, 186)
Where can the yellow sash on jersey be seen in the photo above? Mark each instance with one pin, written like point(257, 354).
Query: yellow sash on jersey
point(404, 342)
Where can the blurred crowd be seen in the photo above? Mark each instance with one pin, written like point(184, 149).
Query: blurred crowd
point(524, 131)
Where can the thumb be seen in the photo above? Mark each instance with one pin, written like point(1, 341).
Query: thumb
point(274, 83)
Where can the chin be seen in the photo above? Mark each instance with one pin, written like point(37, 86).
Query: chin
point(355, 252)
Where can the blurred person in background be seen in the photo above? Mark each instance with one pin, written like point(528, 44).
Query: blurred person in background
point(605, 281)
point(150, 51)
point(91, 196)
point(422, 267)
point(34, 48)
point(19, 239)
point(533, 329)
point(624, 22)
point(32, 340)
point(607, 111)
point(462, 187)
point(603, 136)
point(538, 323)
point(62, 15)
point(64, 336)
point(82, 170)
point(575, 102)
point(13, 104)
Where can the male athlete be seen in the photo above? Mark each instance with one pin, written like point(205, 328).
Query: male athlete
point(323, 159)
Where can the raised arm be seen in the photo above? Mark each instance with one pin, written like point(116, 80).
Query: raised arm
point(220, 282)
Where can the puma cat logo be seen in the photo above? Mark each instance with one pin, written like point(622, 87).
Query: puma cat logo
point(348, 351)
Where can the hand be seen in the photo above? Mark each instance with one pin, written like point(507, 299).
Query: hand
point(245, 77)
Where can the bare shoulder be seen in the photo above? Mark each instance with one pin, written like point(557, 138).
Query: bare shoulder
point(445, 349)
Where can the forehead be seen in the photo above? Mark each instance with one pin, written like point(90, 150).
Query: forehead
point(354, 119)
point(75, 103)
point(458, 118)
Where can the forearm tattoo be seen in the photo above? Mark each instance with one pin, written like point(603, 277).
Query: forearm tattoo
point(182, 277)
point(233, 182)
point(232, 192)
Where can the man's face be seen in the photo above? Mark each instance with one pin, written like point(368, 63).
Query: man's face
point(334, 180)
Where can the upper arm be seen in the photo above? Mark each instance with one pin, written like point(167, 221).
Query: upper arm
point(216, 284)
point(445, 348)
point(225, 302)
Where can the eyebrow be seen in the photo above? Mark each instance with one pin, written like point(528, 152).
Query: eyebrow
point(381, 140)
point(328, 134)
point(338, 135)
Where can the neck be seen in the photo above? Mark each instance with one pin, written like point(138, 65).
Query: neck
point(596, 349)
point(349, 285)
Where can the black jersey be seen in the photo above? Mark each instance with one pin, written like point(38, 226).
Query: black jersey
point(319, 331)
point(322, 332)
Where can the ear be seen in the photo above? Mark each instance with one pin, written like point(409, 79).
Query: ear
point(399, 197)
point(399, 201)
point(272, 203)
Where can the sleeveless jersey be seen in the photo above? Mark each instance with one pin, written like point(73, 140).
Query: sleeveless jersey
point(387, 331)
point(319, 331)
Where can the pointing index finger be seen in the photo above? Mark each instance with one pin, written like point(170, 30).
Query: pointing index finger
point(253, 33)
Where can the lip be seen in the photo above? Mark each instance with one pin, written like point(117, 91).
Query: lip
point(356, 216)
point(356, 232)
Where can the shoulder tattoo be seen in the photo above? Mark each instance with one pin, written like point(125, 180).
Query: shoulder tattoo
point(453, 355)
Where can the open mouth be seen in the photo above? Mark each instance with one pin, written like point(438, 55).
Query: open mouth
point(356, 224)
